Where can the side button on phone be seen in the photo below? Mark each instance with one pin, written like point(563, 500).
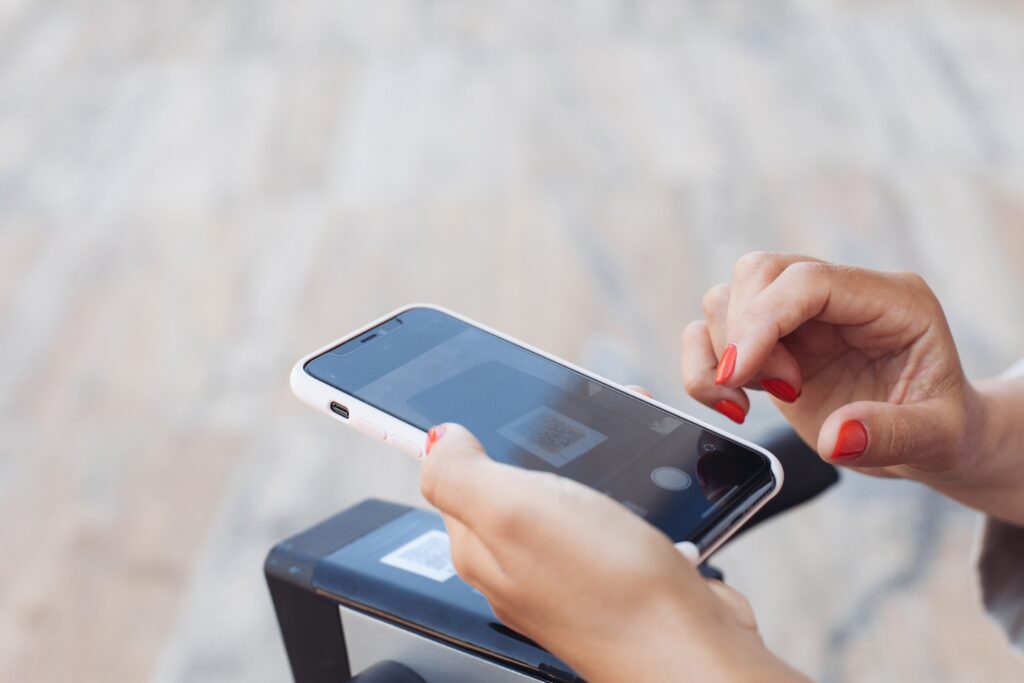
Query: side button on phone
point(369, 428)
point(406, 447)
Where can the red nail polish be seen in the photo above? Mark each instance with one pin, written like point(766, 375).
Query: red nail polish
point(851, 442)
point(731, 410)
point(433, 435)
point(780, 389)
point(726, 365)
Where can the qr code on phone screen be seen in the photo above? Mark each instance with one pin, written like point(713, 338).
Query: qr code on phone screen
point(555, 438)
point(428, 555)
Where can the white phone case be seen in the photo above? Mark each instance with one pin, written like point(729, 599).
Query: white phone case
point(409, 439)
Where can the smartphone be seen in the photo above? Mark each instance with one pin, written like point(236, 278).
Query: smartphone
point(423, 365)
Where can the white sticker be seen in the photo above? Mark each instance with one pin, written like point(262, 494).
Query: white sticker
point(429, 555)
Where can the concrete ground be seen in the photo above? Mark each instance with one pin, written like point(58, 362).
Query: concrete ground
point(193, 194)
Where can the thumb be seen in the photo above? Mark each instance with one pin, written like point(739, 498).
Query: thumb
point(455, 468)
point(879, 434)
point(453, 438)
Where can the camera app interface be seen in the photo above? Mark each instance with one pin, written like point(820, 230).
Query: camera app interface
point(426, 367)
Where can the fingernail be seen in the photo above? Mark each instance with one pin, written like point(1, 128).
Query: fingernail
point(851, 442)
point(780, 389)
point(433, 435)
point(731, 410)
point(726, 365)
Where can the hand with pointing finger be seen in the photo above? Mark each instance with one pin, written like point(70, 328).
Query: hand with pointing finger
point(863, 365)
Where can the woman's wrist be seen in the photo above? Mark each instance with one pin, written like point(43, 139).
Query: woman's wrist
point(1003, 445)
point(992, 479)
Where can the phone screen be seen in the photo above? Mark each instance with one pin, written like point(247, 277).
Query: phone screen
point(425, 367)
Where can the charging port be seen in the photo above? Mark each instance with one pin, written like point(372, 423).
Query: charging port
point(339, 409)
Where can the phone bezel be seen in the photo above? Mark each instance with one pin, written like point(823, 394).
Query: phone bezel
point(407, 437)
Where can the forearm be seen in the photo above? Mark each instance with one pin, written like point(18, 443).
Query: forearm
point(994, 482)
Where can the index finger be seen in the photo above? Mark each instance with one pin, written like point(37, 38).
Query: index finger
point(807, 290)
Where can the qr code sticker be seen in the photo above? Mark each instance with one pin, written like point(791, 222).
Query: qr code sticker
point(554, 438)
point(429, 555)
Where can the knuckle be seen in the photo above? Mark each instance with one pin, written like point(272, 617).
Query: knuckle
point(693, 335)
point(463, 566)
point(693, 330)
point(899, 441)
point(505, 615)
point(807, 271)
point(806, 277)
point(892, 448)
point(754, 262)
point(714, 299)
point(913, 280)
point(919, 292)
point(500, 612)
point(693, 384)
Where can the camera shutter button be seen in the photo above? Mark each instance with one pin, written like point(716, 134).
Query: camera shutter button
point(670, 478)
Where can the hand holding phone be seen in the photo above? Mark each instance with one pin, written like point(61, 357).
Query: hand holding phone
point(600, 589)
